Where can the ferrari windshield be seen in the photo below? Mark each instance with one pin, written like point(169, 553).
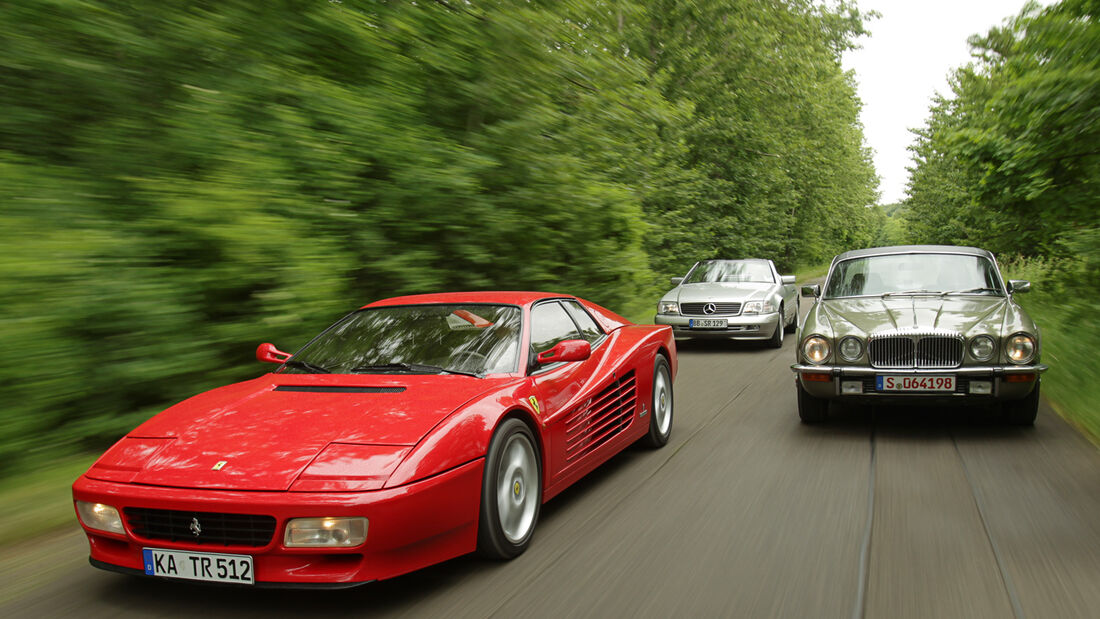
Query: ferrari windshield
point(418, 339)
point(914, 274)
point(730, 271)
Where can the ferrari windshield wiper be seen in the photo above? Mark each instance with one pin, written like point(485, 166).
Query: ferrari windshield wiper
point(316, 369)
point(970, 291)
point(418, 368)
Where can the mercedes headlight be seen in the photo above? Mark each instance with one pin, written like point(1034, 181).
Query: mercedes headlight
point(325, 532)
point(758, 307)
point(815, 349)
point(1020, 348)
point(982, 347)
point(851, 348)
point(668, 307)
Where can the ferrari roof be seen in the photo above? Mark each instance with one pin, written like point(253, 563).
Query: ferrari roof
point(508, 297)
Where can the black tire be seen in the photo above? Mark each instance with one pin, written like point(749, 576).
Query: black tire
point(1022, 412)
point(660, 416)
point(515, 485)
point(793, 326)
point(776, 340)
point(811, 409)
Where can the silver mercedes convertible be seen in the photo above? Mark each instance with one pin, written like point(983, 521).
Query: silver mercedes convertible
point(731, 299)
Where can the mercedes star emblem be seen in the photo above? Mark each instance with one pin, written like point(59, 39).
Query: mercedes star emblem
point(709, 308)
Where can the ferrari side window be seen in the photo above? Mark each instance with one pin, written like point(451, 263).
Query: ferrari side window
point(550, 325)
point(589, 329)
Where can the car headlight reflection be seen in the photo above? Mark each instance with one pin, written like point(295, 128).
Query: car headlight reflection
point(100, 517)
point(851, 348)
point(1021, 348)
point(815, 349)
point(982, 347)
point(325, 532)
point(668, 307)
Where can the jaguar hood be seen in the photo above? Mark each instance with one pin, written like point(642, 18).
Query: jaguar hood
point(958, 314)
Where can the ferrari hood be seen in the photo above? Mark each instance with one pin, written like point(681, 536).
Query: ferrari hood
point(261, 434)
point(719, 291)
point(960, 314)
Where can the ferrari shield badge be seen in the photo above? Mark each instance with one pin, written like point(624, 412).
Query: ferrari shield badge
point(220, 465)
point(535, 403)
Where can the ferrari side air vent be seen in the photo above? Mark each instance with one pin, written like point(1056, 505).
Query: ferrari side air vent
point(326, 389)
point(601, 418)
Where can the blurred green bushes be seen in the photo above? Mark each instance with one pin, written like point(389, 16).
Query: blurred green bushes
point(185, 179)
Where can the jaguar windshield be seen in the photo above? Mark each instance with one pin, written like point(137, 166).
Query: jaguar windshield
point(914, 274)
point(416, 339)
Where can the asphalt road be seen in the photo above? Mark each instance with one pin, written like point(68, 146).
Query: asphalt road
point(882, 512)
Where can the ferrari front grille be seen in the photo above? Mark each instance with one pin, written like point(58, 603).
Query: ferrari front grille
point(203, 528)
point(720, 309)
point(601, 418)
point(929, 350)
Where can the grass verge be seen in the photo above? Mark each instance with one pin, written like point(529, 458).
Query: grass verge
point(39, 501)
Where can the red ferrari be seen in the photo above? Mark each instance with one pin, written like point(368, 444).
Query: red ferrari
point(414, 430)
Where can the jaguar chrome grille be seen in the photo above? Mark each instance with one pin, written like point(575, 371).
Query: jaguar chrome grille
point(720, 309)
point(601, 418)
point(917, 349)
point(202, 528)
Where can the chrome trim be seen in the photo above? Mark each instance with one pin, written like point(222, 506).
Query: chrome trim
point(996, 371)
point(916, 348)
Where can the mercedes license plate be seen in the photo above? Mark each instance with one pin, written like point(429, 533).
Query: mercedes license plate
point(707, 323)
point(206, 566)
point(916, 383)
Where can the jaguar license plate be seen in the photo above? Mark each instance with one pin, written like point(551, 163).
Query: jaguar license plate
point(707, 323)
point(208, 566)
point(916, 383)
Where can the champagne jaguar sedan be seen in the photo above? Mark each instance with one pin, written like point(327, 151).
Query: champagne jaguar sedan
point(924, 324)
point(731, 299)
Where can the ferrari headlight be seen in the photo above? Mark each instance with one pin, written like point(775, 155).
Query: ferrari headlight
point(758, 307)
point(1021, 348)
point(851, 348)
point(668, 307)
point(815, 349)
point(325, 532)
point(100, 517)
point(982, 347)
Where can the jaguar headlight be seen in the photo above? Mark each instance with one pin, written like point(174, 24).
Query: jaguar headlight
point(668, 307)
point(100, 517)
point(815, 349)
point(325, 532)
point(851, 348)
point(1020, 348)
point(982, 347)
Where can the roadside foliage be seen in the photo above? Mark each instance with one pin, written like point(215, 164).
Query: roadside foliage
point(1011, 162)
point(186, 179)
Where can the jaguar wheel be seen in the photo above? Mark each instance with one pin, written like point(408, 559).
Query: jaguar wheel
point(1023, 412)
point(511, 492)
point(660, 419)
point(811, 409)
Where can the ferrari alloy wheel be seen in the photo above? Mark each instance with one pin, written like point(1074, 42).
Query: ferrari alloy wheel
point(511, 492)
point(1024, 411)
point(660, 420)
point(811, 409)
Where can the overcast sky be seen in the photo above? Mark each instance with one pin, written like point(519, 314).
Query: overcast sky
point(905, 61)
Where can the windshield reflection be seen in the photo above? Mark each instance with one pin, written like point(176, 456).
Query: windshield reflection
point(730, 271)
point(914, 274)
point(467, 338)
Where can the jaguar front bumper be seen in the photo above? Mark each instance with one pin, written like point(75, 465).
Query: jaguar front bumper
point(981, 382)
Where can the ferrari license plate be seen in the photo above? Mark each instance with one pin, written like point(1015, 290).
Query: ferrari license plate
point(707, 323)
point(916, 383)
point(206, 566)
